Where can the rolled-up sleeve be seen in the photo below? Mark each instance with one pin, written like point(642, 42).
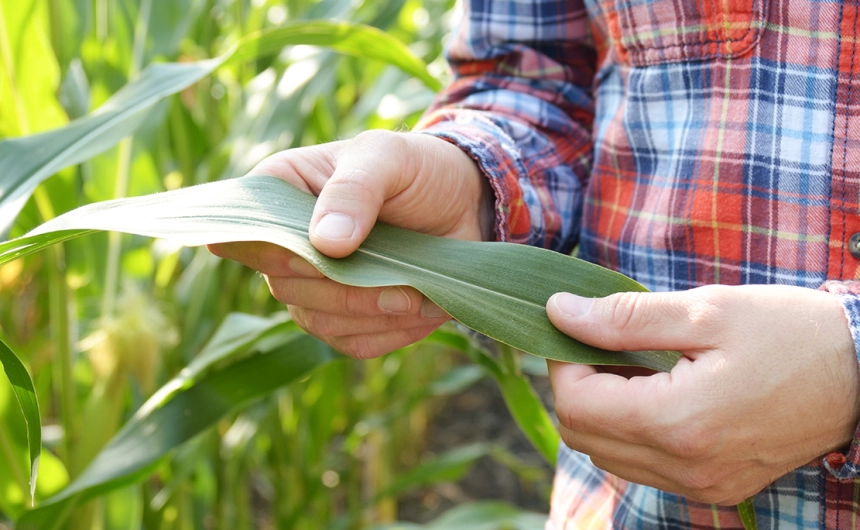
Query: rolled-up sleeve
point(521, 106)
point(846, 465)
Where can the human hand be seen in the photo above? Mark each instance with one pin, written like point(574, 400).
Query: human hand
point(768, 382)
point(414, 181)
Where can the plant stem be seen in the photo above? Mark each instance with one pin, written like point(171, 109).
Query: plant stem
point(115, 238)
point(124, 156)
point(58, 296)
point(60, 331)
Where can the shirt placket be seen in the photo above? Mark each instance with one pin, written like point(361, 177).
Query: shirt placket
point(844, 257)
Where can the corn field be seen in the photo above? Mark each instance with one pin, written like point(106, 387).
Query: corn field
point(174, 391)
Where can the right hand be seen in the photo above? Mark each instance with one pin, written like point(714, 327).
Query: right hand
point(414, 181)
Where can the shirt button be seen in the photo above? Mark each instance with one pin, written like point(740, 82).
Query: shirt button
point(854, 245)
point(835, 460)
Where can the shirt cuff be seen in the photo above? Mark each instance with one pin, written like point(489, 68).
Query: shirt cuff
point(498, 159)
point(846, 465)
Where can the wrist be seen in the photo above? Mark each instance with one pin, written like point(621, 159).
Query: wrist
point(475, 195)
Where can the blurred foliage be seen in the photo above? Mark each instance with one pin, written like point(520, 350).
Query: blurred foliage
point(106, 320)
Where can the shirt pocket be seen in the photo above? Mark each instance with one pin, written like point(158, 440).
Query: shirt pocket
point(649, 32)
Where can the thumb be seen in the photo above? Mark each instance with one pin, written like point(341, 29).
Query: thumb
point(635, 321)
point(350, 201)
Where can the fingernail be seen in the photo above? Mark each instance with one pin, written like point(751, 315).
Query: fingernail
point(572, 305)
point(335, 226)
point(394, 300)
point(431, 310)
point(301, 267)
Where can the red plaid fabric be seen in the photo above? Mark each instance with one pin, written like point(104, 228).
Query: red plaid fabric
point(683, 143)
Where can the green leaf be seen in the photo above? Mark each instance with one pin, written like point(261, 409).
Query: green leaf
point(450, 466)
point(524, 404)
point(25, 393)
point(352, 39)
point(29, 72)
point(498, 289)
point(530, 415)
point(165, 422)
point(27, 161)
point(747, 513)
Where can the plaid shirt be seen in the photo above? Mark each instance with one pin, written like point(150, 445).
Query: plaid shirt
point(683, 143)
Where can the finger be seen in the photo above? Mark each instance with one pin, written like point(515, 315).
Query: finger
point(612, 406)
point(349, 203)
point(324, 324)
point(726, 487)
point(641, 476)
point(332, 297)
point(306, 168)
point(623, 451)
point(626, 371)
point(687, 320)
point(368, 346)
point(567, 373)
point(267, 258)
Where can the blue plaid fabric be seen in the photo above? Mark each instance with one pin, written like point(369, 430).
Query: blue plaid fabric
point(683, 143)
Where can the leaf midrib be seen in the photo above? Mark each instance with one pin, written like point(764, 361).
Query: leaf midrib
point(455, 279)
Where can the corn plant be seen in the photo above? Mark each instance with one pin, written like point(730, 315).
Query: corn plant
point(174, 393)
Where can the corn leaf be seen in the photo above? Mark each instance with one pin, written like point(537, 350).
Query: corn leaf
point(530, 415)
point(520, 397)
point(747, 512)
point(450, 466)
point(497, 289)
point(173, 417)
point(25, 393)
point(27, 161)
point(351, 39)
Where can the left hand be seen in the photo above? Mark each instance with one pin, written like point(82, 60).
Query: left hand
point(768, 382)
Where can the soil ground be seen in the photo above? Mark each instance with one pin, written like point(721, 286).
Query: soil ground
point(480, 415)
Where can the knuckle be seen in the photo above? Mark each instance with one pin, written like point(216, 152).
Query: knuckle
point(565, 415)
point(326, 324)
point(354, 301)
point(375, 137)
point(705, 308)
point(283, 289)
point(298, 314)
point(623, 310)
point(356, 185)
point(570, 440)
point(691, 441)
point(320, 323)
point(314, 322)
point(361, 347)
point(598, 463)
